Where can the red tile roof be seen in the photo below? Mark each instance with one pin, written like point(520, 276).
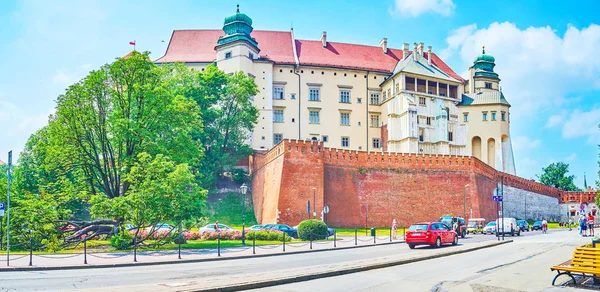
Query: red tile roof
point(2, 162)
point(199, 46)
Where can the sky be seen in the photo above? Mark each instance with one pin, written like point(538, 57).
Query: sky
point(546, 55)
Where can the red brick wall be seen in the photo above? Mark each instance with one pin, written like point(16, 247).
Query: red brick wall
point(408, 187)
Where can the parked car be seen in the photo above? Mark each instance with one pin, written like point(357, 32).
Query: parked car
point(130, 227)
point(475, 225)
point(490, 228)
point(537, 225)
point(524, 225)
point(461, 226)
point(508, 226)
point(254, 228)
point(330, 231)
point(430, 233)
point(292, 232)
point(211, 228)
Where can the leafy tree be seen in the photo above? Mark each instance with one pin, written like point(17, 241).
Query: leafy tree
point(161, 191)
point(556, 175)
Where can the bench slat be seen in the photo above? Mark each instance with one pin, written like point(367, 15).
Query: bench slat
point(576, 270)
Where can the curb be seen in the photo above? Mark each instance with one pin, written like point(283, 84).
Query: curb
point(183, 261)
point(302, 278)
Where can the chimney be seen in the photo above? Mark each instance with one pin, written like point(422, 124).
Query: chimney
point(405, 48)
point(415, 52)
point(429, 55)
point(421, 48)
point(383, 45)
point(324, 39)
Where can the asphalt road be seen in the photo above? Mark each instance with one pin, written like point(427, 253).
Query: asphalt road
point(140, 275)
point(523, 265)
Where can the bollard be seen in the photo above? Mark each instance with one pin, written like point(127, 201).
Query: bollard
point(390, 234)
point(355, 236)
point(85, 250)
point(284, 234)
point(134, 249)
point(179, 249)
point(404, 231)
point(30, 249)
point(375, 236)
point(254, 245)
point(219, 244)
point(334, 238)
point(311, 240)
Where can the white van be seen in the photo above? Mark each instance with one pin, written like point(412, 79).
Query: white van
point(510, 227)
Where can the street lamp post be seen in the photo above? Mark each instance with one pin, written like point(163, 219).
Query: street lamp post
point(315, 203)
point(244, 189)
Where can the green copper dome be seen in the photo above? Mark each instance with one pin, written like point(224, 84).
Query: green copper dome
point(237, 26)
point(484, 65)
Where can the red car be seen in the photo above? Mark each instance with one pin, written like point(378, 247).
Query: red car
point(431, 233)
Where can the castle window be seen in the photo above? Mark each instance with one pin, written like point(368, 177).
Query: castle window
point(450, 136)
point(493, 116)
point(359, 100)
point(325, 138)
point(384, 96)
point(397, 87)
point(345, 141)
point(488, 85)
point(374, 98)
point(429, 121)
point(278, 92)
point(228, 55)
point(389, 93)
point(376, 143)
point(503, 116)
point(344, 96)
point(277, 138)
point(313, 94)
point(422, 101)
point(313, 117)
point(278, 116)
point(293, 96)
point(421, 135)
point(485, 116)
point(345, 119)
point(465, 117)
point(251, 56)
point(374, 120)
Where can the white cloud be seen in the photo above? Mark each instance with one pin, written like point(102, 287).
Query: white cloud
point(539, 68)
point(17, 125)
point(555, 120)
point(571, 157)
point(61, 78)
point(415, 8)
point(523, 144)
point(583, 124)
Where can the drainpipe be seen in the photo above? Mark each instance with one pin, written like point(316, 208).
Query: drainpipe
point(367, 108)
point(299, 101)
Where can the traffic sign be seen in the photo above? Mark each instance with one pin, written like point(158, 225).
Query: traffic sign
point(326, 209)
point(499, 213)
point(1, 210)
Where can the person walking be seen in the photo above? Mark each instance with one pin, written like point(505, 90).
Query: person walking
point(570, 223)
point(590, 223)
point(217, 226)
point(394, 229)
point(583, 224)
point(544, 226)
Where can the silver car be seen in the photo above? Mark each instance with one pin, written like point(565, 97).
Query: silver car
point(490, 228)
point(211, 228)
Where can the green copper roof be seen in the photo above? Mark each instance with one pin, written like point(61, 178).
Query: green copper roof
point(485, 58)
point(485, 97)
point(237, 26)
point(484, 65)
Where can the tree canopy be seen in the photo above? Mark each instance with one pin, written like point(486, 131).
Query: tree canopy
point(556, 175)
point(132, 142)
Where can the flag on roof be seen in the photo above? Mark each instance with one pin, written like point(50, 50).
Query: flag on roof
point(132, 43)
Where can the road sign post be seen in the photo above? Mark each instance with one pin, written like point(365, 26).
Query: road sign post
point(8, 211)
point(325, 211)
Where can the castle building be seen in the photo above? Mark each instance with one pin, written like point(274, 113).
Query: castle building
point(357, 97)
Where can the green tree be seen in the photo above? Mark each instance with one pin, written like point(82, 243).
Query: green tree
point(160, 192)
point(556, 175)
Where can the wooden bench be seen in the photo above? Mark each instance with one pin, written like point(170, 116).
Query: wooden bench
point(585, 263)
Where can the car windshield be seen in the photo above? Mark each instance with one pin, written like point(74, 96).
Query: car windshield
point(472, 224)
point(447, 221)
point(418, 227)
point(538, 222)
point(491, 224)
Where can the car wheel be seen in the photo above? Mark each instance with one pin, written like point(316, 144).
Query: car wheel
point(455, 241)
point(463, 234)
point(411, 246)
point(519, 233)
point(438, 242)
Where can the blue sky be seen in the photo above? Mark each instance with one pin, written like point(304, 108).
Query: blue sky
point(546, 55)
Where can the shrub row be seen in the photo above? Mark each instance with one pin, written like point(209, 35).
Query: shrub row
point(268, 235)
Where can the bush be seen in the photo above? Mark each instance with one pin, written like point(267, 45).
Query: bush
point(239, 175)
point(121, 242)
point(224, 235)
point(179, 239)
point(268, 235)
point(312, 229)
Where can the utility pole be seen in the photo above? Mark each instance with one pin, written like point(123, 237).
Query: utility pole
point(8, 211)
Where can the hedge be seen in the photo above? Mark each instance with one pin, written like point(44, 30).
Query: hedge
point(312, 229)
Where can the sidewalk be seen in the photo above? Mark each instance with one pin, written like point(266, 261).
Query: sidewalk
point(116, 259)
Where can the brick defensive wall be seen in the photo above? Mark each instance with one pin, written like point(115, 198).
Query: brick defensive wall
point(372, 188)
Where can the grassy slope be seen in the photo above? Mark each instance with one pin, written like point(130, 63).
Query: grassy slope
point(227, 209)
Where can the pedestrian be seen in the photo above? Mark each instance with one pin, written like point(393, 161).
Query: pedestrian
point(394, 229)
point(544, 226)
point(590, 223)
point(217, 226)
point(583, 224)
point(570, 223)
